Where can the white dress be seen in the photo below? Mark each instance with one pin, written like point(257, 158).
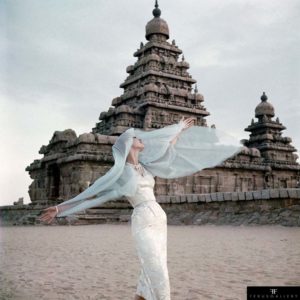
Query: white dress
point(149, 231)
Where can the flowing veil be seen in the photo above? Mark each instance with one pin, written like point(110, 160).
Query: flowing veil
point(196, 148)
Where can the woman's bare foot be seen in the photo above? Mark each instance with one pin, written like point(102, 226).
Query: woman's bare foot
point(137, 297)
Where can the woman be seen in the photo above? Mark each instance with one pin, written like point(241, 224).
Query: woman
point(170, 152)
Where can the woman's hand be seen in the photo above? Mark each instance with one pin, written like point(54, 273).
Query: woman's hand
point(48, 214)
point(187, 122)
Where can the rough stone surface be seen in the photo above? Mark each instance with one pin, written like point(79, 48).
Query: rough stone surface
point(274, 193)
point(220, 196)
point(283, 193)
point(227, 196)
point(265, 194)
point(208, 198)
point(213, 196)
point(257, 194)
point(234, 196)
point(241, 196)
point(292, 193)
point(183, 198)
point(249, 195)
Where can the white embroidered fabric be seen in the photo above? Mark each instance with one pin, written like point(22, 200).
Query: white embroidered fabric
point(149, 231)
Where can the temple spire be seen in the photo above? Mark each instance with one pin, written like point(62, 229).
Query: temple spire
point(264, 97)
point(196, 89)
point(156, 11)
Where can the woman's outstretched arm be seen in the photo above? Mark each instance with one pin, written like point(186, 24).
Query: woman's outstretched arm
point(187, 123)
point(66, 208)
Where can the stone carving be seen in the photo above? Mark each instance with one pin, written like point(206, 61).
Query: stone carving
point(20, 201)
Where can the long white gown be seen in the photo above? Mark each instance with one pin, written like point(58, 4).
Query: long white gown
point(149, 231)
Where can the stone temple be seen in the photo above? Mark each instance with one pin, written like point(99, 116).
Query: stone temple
point(158, 91)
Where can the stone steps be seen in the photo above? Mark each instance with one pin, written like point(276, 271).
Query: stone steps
point(97, 217)
point(114, 217)
point(116, 204)
point(95, 211)
point(103, 215)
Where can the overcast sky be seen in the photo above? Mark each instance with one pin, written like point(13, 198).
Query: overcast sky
point(61, 64)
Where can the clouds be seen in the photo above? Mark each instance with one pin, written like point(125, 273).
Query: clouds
point(64, 62)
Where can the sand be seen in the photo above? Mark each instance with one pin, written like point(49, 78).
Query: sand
point(99, 261)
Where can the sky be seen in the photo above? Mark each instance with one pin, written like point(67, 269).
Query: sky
point(62, 61)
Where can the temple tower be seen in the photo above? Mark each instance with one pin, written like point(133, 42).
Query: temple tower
point(158, 89)
point(266, 136)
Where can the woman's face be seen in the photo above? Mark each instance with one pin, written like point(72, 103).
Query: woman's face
point(137, 144)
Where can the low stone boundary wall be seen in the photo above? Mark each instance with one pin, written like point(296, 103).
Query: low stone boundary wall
point(273, 206)
point(24, 214)
point(276, 206)
point(292, 193)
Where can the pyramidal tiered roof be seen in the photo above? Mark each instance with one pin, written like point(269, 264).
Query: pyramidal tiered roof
point(266, 136)
point(158, 89)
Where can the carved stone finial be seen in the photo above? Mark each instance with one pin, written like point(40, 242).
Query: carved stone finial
point(277, 120)
point(182, 58)
point(196, 89)
point(264, 97)
point(141, 45)
point(252, 121)
point(173, 42)
point(156, 11)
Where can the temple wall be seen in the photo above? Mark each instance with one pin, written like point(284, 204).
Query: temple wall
point(65, 181)
point(68, 179)
point(225, 180)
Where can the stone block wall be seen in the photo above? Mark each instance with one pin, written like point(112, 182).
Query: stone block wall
point(269, 206)
point(274, 206)
point(24, 214)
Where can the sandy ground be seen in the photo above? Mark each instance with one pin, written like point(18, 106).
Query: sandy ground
point(99, 261)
